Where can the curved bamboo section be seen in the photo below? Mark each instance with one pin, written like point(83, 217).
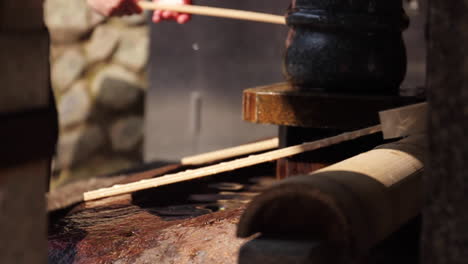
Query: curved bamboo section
point(354, 204)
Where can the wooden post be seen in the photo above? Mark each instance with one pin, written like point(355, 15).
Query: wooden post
point(445, 218)
point(28, 131)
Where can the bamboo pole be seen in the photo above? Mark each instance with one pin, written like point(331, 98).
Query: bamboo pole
point(227, 166)
point(215, 12)
point(356, 202)
point(404, 121)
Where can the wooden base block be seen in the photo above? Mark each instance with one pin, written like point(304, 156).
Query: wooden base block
point(282, 104)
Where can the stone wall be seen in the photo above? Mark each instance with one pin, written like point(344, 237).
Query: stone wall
point(98, 77)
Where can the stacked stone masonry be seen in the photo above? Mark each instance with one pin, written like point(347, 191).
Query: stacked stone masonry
point(98, 77)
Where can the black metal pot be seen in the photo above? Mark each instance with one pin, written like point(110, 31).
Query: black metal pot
point(346, 45)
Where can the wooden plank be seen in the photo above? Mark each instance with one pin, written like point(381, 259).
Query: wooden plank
point(404, 121)
point(227, 166)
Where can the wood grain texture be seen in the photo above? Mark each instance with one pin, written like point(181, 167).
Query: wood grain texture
point(445, 219)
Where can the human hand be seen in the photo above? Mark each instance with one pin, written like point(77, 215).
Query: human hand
point(160, 15)
point(115, 7)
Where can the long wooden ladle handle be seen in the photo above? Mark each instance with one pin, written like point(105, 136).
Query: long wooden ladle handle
point(215, 12)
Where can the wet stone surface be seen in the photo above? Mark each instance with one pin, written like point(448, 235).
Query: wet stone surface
point(163, 225)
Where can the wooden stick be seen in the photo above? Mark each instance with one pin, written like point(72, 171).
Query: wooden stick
point(230, 152)
point(227, 166)
point(73, 193)
point(404, 121)
point(215, 12)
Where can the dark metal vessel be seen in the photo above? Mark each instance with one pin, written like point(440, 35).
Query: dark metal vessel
point(346, 45)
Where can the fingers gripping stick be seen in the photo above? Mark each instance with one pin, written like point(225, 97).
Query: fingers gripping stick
point(130, 7)
point(160, 14)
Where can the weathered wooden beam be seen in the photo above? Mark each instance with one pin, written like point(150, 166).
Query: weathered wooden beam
point(445, 218)
point(28, 131)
